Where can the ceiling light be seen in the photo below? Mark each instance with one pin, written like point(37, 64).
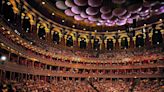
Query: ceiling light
point(157, 42)
point(8, 19)
point(63, 20)
point(73, 26)
point(160, 20)
point(43, 3)
point(98, 24)
point(53, 13)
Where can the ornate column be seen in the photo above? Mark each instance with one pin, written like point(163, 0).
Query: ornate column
point(132, 39)
point(147, 40)
point(35, 27)
point(89, 46)
point(132, 42)
point(116, 37)
point(77, 35)
point(48, 33)
point(103, 37)
point(63, 40)
point(162, 32)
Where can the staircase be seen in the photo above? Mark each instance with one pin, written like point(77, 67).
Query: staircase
point(95, 88)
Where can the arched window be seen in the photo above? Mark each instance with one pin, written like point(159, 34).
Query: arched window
point(69, 41)
point(157, 37)
point(8, 11)
point(96, 44)
point(109, 44)
point(139, 40)
point(83, 43)
point(124, 42)
point(56, 37)
point(26, 24)
point(42, 33)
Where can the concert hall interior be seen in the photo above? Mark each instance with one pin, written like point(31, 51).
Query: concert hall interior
point(81, 45)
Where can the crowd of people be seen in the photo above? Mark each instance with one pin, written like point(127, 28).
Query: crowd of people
point(114, 56)
point(25, 86)
point(86, 85)
point(49, 52)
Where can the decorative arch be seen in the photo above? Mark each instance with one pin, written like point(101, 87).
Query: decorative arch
point(15, 8)
point(56, 29)
point(122, 36)
point(71, 34)
point(82, 36)
point(97, 38)
point(141, 41)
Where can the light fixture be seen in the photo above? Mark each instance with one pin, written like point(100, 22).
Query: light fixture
point(43, 3)
point(144, 25)
point(63, 20)
point(31, 42)
point(8, 19)
point(3, 58)
point(156, 32)
point(8, 3)
point(157, 42)
point(53, 13)
point(26, 17)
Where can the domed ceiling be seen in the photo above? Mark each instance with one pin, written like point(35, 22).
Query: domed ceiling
point(110, 12)
point(100, 15)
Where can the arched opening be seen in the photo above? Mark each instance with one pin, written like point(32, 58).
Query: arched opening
point(124, 43)
point(42, 33)
point(83, 43)
point(8, 11)
point(26, 25)
point(69, 41)
point(56, 37)
point(157, 37)
point(139, 40)
point(96, 44)
point(109, 44)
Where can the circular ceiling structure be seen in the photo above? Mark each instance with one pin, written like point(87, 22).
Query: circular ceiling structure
point(109, 12)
